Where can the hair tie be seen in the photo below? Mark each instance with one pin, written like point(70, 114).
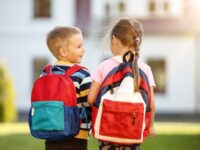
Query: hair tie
point(131, 56)
point(137, 40)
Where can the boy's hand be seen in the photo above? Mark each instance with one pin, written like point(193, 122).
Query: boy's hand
point(152, 131)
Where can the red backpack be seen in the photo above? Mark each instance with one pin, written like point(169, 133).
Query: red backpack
point(54, 113)
point(119, 114)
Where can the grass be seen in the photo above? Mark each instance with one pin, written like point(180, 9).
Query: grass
point(170, 136)
point(172, 142)
point(160, 142)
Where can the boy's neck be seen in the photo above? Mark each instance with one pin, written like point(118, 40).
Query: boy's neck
point(61, 62)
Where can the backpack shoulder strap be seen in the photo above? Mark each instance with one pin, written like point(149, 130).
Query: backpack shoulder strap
point(117, 74)
point(73, 69)
point(48, 69)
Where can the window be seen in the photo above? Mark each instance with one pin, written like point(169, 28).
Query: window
point(121, 7)
point(82, 12)
point(42, 8)
point(159, 7)
point(38, 65)
point(166, 6)
point(158, 67)
point(107, 9)
point(152, 6)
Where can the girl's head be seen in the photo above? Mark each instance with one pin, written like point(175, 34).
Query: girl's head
point(126, 37)
point(128, 34)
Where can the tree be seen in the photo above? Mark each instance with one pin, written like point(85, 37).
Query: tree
point(7, 95)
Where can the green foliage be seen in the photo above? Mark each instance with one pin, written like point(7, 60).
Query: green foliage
point(7, 96)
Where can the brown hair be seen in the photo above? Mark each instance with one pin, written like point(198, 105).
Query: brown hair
point(57, 37)
point(129, 32)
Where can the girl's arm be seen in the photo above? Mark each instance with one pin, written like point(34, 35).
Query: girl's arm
point(153, 110)
point(94, 89)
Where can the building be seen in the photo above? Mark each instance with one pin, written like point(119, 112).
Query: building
point(171, 43)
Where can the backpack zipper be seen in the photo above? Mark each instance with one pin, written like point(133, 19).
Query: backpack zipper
point(133, 117)
point(32, 111)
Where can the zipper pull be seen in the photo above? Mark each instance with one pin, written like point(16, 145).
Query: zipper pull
point(111, 89)
point(134, 117)
point(32, 111)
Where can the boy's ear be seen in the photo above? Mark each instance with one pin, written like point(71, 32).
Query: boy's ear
point(62, 52)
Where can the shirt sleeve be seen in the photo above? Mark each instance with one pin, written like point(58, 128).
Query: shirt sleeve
point(97, 74)
point(84, 87)
point(83, 94)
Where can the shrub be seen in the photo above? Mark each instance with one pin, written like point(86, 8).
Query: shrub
point(7, 95)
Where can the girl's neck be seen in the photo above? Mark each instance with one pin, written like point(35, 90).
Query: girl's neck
point(122, 50)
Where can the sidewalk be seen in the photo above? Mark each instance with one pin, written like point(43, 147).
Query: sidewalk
point(23, 117)
point(177, 118)
point(167, 128)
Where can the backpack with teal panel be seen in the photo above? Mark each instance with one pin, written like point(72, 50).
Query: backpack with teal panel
point(54, 114)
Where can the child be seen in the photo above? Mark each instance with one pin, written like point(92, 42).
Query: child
point(125, 36)
point(66, 44)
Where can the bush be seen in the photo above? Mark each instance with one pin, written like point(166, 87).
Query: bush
point(7, 96)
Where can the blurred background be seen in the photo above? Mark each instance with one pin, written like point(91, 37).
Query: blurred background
point(171, 46)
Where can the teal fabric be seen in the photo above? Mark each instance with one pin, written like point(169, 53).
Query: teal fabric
point(48, 115)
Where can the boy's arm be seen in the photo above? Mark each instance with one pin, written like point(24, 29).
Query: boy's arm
point(153, 110)
point(84, 89)
point(83, 94)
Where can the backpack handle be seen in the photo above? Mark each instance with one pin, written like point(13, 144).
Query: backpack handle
point(48, 69)
point(68, 72)
point(129, 53)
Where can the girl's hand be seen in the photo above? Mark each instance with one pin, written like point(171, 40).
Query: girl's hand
point(152, 131)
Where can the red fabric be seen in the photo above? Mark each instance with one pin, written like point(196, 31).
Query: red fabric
point(122, 117)
point(148, 114)
point(147, 123)
point(116, 77)
point(55, 87)
point(48, 69)
point(94, 115)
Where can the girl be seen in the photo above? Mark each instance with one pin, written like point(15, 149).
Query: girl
point(126, 37)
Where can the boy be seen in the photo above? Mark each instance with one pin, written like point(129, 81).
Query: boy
point(66, 44)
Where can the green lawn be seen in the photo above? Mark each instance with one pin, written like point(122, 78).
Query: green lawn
point(170, 136)
point(160, 142)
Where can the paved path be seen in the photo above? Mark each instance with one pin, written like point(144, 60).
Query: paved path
point(161, 128)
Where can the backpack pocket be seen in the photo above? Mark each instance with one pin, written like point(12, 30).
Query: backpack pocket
point(47, 116)
point(122, 119)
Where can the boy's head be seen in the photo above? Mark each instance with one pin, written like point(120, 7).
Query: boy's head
point(66, 44)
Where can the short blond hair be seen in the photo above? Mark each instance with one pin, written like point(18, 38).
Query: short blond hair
point(57, 37)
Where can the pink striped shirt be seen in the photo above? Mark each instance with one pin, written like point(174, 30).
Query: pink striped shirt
point(106, 66)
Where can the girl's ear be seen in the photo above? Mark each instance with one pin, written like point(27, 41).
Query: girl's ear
point(62, 52)
point(114, 40)
point(113, 37)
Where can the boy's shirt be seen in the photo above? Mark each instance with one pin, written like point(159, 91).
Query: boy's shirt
point(82, 82)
